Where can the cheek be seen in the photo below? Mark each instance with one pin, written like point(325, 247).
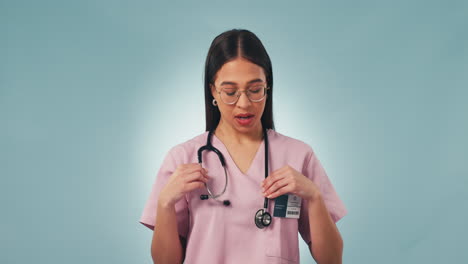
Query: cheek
point(261, 109)
point(225, 111)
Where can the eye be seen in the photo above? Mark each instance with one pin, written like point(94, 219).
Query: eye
point(257, 89)
point(230, 91)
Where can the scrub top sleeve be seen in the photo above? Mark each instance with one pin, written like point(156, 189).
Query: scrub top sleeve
point(314, 170)
point(148, 218)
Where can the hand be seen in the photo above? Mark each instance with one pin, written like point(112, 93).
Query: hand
point(288, 180)
point(186, 177)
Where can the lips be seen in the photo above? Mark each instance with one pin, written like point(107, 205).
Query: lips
point(244, 119)
point(245, 115)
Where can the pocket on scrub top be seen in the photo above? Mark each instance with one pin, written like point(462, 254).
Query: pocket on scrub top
point(282, 244)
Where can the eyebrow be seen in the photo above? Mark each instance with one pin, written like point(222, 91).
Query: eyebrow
point(249, 82)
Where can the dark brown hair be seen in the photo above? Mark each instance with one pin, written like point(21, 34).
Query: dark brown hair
point(228, 46)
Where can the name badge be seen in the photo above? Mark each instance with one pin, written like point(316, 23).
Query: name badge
point(287, 205)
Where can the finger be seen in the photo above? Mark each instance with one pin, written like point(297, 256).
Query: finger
point(279, 192)
point(196, 176)
point(276, 186)
point(270, 180)
point(194, 185)
point(200, 166)
point(193, 167)
point(273, 175)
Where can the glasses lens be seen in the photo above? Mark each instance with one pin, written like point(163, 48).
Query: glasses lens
point(256, 93)
point(229, 95)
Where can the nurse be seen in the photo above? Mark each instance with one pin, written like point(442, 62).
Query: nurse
point(301, 198)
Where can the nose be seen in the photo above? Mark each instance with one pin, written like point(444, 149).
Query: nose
point(243, 100)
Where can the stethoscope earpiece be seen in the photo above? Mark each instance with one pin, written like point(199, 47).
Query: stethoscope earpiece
point(206, 197)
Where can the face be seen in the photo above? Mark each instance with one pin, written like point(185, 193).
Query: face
point(238, 74)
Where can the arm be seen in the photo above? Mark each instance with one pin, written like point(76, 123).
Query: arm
point(167, 246)
point(327, 244)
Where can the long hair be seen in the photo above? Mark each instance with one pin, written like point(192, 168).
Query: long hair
point(228, 46)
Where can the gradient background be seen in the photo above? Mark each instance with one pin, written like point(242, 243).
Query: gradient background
point(94, 93)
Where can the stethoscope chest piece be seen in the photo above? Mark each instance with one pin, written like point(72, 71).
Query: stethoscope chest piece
point(262, 218)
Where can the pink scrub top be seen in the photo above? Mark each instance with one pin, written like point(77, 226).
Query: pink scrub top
point(219, 234)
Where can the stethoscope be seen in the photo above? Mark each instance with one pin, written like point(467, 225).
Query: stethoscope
point(262, 217)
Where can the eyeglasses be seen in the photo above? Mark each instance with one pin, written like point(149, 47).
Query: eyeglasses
point(231, 95)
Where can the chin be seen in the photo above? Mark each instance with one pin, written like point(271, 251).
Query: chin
point(247, 128)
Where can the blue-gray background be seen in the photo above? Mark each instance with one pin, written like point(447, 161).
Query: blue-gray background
point(94, 93)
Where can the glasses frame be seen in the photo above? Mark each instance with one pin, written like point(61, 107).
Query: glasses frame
point(238, 94)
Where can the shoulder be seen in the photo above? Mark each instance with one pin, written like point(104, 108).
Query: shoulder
point(289, 145)
point(292, 151)
point(186, 150)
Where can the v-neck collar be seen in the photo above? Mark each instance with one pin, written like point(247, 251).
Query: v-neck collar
point(257, 154)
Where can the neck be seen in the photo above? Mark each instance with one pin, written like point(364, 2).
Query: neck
point(231, 135)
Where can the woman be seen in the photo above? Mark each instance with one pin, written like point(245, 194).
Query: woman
point(207, 213)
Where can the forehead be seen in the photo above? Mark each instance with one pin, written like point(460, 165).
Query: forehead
point(239, 71)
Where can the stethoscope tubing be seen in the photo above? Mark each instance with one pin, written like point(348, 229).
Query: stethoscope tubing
point(262, 217)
